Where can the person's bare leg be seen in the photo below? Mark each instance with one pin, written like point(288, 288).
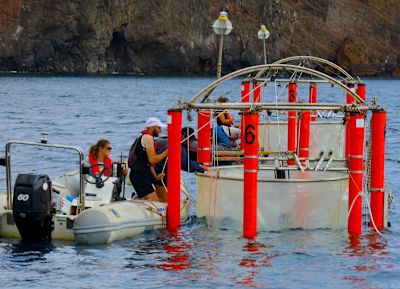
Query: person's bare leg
point(152, 197)
point(162, 193)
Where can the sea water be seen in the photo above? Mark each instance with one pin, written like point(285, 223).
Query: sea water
point(78, 110)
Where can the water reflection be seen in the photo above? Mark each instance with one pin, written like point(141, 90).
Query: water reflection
point(143, 247)
point(256, 256)
point(370, 244)
point(23, 252)
point(177, 251)
point(367, 252)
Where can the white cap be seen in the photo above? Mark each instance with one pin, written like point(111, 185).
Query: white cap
point(153, 121)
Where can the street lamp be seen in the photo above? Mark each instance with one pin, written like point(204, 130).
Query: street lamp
point(263, 34)
point(222, 26)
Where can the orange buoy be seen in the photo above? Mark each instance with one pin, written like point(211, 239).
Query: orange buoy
point(204, 137)
point(292, 122)
point(378, 128)
point(356, 154)
point(174, 168)
point(250, 174)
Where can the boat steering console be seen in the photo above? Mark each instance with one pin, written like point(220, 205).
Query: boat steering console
point(99, 181)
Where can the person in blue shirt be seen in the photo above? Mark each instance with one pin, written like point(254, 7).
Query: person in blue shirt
point(187, 164)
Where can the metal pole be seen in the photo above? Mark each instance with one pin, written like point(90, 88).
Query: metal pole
point(8, 177)
point(272, 106)
point(265, 52)
point(219, 63)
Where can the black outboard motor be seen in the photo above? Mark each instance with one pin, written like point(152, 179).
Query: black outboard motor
point(32, 207)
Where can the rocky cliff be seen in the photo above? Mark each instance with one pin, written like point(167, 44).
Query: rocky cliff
point(175, 36)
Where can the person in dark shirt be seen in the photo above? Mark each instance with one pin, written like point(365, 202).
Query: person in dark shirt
point(187, 164)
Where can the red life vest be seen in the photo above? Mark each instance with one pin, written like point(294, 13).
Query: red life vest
point(96, 169)
point(226, 116)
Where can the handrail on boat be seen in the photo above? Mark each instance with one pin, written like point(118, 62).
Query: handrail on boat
point(8, 168)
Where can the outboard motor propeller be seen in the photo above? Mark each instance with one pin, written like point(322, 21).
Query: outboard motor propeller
point(32, 207)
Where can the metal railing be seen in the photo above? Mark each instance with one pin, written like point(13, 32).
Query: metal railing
point(81, 205)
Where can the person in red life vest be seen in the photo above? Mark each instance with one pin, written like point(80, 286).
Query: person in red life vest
point(99, 154)
point(143, 158)
point(227, 133)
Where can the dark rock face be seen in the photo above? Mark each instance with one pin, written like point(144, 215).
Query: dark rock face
point(175, 36)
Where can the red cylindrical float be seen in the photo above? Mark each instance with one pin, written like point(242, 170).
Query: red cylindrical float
point(378, 128)
point(362, 90)
point(304, 138)
point(174, 169)
point(250, 174)
point(356, 154)
point(349, 100)
point(204, 138)
point(245, 98)
point(292, 119)
point(245, 91)
point(257, 91)
point(312, 98)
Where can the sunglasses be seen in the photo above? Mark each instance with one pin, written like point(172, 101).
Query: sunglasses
point(109, 148)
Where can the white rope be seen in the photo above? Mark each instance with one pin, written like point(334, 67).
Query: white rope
point(360, 194)
point(371, 217)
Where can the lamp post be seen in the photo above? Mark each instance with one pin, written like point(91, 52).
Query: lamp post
point(222, 26)
point(263, 34)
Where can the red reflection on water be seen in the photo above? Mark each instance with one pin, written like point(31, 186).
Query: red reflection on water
point(366, 245)
point(256, 258)
point(369, 245)
point(178, 250)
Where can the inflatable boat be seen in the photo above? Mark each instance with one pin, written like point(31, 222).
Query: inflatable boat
point(77, 206)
